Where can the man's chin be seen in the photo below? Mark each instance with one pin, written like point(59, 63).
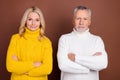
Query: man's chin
point(81, 30)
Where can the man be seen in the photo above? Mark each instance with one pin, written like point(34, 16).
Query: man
point(81, 55)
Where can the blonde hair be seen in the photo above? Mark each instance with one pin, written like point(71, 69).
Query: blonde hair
point(24, 19)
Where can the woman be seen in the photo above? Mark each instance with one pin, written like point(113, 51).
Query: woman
point(29, 55)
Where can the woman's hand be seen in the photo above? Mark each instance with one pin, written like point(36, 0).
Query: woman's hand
point(14, 57)
point(37, 64)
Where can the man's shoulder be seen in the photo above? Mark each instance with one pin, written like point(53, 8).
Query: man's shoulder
point(94, 36)
point(67, 35)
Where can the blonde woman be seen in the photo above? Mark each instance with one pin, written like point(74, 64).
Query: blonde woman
point(29, 55)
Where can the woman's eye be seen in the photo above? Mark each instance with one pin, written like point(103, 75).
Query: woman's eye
point(29, 19)
point(37, 20)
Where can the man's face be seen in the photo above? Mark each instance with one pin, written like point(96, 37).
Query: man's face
point(82, 20)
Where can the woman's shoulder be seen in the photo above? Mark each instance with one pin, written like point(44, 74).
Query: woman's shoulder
point(15, 36)
point(46, 40)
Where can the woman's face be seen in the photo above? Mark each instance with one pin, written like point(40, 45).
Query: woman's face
point(33, 21)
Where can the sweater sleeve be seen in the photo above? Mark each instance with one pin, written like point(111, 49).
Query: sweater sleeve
point(18, 67)
point(64, 63)
point(46, 67)
point(94, 62)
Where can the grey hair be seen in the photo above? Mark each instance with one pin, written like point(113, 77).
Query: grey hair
point(82, 8)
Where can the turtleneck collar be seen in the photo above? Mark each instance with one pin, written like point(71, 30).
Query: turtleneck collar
point(31, 34)
point(81, 34)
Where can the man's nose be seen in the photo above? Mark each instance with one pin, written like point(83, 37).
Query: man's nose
point(81, 22)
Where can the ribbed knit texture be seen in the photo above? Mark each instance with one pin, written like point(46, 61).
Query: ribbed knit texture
point(83, 45)
point(29, 49)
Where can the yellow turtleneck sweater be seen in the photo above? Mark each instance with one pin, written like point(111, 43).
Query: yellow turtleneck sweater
point(28, 50)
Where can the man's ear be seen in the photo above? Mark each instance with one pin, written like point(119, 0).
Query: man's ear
point(90, 22)
point(73, 21)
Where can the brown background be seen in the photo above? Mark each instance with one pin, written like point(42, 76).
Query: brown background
point(58, 16)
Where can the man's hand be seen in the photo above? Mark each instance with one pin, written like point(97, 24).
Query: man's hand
point(97, 54)
point(71, 56)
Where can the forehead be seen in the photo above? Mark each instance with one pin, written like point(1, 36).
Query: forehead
point(33, 14)
point(82, 13)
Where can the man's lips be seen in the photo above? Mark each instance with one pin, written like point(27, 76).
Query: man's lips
point(81, 27)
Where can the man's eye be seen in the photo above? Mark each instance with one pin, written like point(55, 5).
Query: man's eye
point(77, 18)
point(85, 19)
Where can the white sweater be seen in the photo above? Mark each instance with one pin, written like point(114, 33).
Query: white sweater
point(84, 45)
